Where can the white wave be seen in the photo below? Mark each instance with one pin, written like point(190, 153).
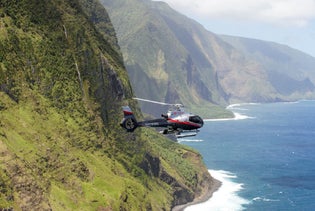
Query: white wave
point(298, 101)
point(189, 140)
point(226, 197)
point(239, 109)
point(264, 199)
point(232, 106)
point(306, 100)
point(293, 102)
point(237, 116)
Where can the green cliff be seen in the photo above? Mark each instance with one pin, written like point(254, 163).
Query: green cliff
point(62, 83)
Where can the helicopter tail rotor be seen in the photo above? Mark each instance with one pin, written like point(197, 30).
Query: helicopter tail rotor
point(129, 121)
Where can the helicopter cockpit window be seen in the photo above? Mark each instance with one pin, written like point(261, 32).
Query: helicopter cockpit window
point(195, 119)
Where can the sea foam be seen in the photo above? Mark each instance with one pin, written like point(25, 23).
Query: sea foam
point(233, 106)
point(226, 197)
point(189, 140)
point(237, 116)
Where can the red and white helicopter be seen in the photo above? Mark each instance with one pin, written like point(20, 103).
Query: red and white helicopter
point(176, 121)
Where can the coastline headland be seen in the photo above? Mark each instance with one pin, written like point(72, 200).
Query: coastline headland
point(202, 198)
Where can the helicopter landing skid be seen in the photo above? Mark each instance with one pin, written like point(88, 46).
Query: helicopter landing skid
point(184, 134)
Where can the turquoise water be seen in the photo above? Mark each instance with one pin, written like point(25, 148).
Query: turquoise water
point(265, 158)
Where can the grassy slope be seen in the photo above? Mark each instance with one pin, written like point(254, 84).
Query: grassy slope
point(50, 151)
point(61, 146)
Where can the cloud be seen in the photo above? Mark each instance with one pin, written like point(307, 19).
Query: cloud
point(281, 12)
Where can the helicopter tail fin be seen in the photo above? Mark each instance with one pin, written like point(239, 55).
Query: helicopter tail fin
point(129, 121)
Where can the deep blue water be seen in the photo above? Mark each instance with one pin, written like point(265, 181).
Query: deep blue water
point(271, 154)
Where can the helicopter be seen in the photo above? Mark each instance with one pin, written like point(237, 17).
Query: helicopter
point(175, 121)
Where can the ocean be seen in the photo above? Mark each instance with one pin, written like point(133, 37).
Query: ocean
point(265, 157)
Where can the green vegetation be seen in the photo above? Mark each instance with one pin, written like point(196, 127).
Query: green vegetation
point(70, 167)
point(62, 85)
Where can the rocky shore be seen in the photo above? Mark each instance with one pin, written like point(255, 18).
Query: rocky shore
point(202, 198)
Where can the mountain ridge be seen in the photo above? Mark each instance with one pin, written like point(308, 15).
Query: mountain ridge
point(203, 68)
point(283, 65)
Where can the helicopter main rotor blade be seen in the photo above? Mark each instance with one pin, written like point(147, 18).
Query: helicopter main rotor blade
point(152, 101)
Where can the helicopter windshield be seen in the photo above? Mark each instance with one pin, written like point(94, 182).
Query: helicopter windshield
point(196, 119)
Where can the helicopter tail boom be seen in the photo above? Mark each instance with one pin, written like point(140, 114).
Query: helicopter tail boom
point(129, 122)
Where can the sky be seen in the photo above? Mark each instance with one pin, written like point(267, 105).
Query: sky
point(289, 22)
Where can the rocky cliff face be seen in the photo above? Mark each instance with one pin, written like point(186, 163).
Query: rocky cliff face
point(182, 194)
point(168, 54)
point(166, 47)
point(62, 83)
point(285, 73)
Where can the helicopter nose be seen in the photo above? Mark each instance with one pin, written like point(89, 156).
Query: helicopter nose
point(201, 122)
point(196, 119)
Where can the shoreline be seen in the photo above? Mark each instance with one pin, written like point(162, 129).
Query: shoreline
point(216, 183)
point(203, 198)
